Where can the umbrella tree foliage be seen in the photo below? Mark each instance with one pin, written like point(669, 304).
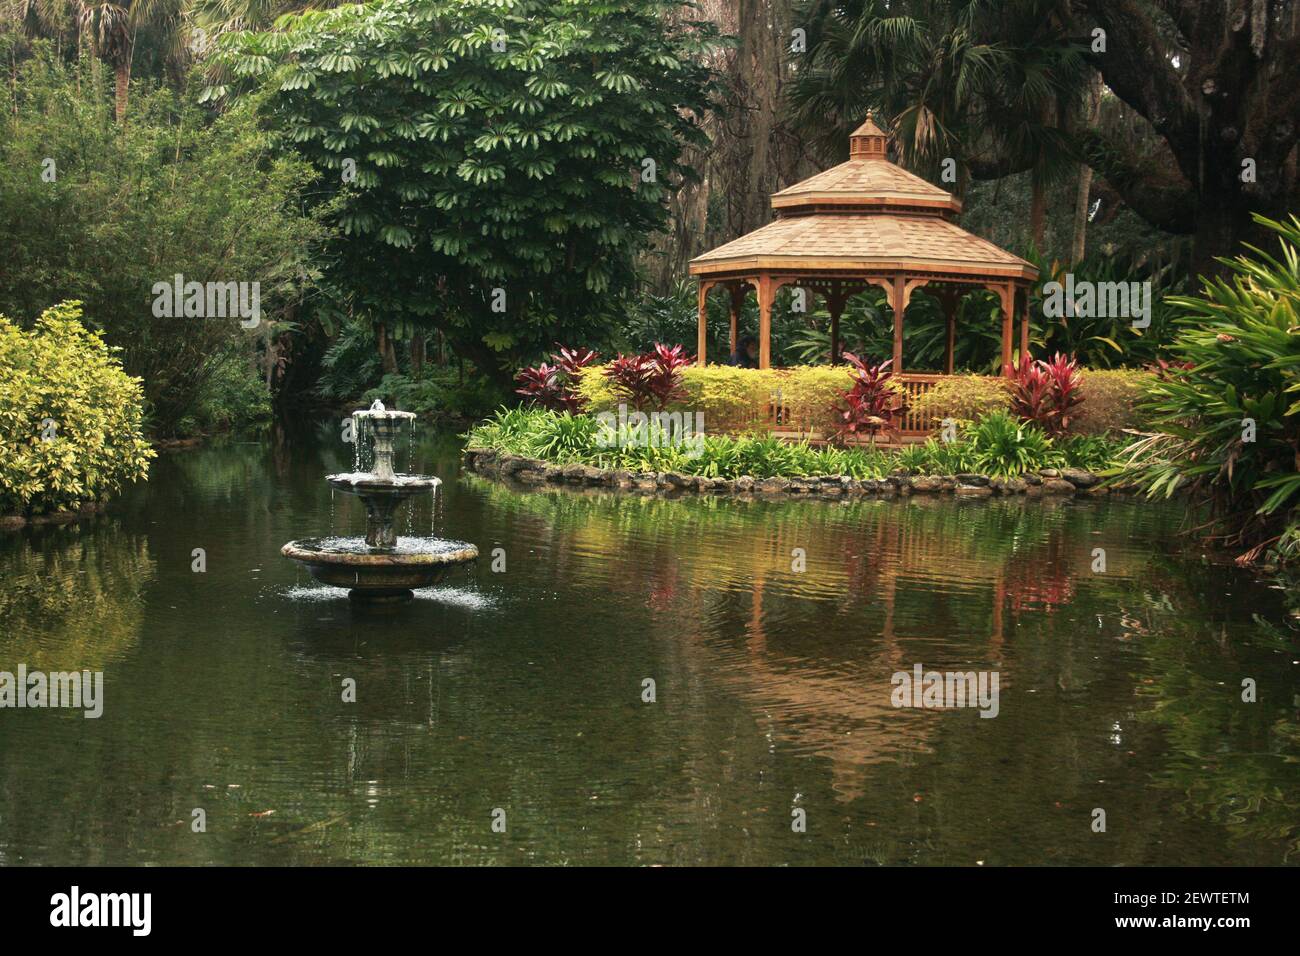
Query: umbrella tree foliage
point(501, 162)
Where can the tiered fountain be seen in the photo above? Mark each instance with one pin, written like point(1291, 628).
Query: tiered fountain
point(381, 566)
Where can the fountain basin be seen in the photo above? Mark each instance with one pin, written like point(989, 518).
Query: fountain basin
point(376, 576)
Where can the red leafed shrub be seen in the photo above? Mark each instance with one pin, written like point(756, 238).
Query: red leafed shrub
point(651, 380)
point(1046, 393)
point(871, 406)
point(573, 361)
point(555, 386)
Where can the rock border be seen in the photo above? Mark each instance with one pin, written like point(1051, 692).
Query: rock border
point(1049, 482)
point(83, 512)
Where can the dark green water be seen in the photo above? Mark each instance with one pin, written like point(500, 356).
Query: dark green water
point(522, 690)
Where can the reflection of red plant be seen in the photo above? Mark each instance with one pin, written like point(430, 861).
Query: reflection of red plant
point(1042, 593)
point(555, 386)
point(650, 380)
point(870, 406)
point(1046, 393)
point(1041, 580)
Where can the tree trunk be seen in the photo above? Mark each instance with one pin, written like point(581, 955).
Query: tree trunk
point(1078, 243)
point(417, 354)
point(122, 78)
point(1038, 212)
point(1227, 114)
point(387, 354)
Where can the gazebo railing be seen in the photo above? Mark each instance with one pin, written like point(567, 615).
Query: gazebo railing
point(915, 384)
point(783, 420)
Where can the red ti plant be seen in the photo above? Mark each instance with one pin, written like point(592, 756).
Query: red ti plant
point(1046, 393)
point(651, 380)
point(555, 386)
point(870, 406)
point(573, 361)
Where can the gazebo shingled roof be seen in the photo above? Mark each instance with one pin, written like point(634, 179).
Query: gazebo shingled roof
point(864, 222)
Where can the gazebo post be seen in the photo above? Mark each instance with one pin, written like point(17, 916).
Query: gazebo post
point(1007, 295)
point(737, 302)
point(899, 306)
point(835, 305)
point(948, 299)
point(1024, 326)
point(702, 341)
point(765, 320)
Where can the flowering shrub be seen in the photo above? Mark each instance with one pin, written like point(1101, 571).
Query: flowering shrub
point(651, 380)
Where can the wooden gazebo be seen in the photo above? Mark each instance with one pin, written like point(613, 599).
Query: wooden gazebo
point(865, 222)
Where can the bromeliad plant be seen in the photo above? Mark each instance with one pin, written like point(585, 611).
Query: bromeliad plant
point(556, 386)
point(1227, 428)
point(870, 407)
point(652, 380)
point(1046, 393)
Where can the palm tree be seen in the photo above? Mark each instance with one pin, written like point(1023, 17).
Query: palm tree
point(988, 84)
point(226, 16)
point(109, 29)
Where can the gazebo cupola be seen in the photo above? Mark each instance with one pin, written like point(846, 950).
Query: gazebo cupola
point(868, 141)
point(864, 222)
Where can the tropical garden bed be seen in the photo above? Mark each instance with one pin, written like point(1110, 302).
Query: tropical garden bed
point(995, 456)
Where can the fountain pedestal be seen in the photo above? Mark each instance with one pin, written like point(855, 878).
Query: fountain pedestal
point(380, 567)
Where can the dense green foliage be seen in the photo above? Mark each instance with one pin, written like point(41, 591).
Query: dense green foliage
point(1228, 427)
point(438, 394)
point(996, 446)
point(121, 209)
point(500, 162)
point(70, 418)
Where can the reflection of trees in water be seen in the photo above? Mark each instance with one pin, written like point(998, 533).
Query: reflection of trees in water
point(1236, 764)
point(72, 596)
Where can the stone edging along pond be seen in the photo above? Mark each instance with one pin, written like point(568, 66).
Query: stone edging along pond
point(1048, 481)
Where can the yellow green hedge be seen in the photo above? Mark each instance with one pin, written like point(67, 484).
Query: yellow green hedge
point(966, 398)
point(1110, 400)
point(737, 399)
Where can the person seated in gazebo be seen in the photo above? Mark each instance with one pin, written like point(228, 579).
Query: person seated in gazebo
point(746, 354)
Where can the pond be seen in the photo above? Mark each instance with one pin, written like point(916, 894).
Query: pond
point(517, 697)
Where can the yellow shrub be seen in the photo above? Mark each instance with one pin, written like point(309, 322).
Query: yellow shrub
point(732, 399)
point(736, 400)
point(70, 418)
point(1110, 400)
point(965, 398)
